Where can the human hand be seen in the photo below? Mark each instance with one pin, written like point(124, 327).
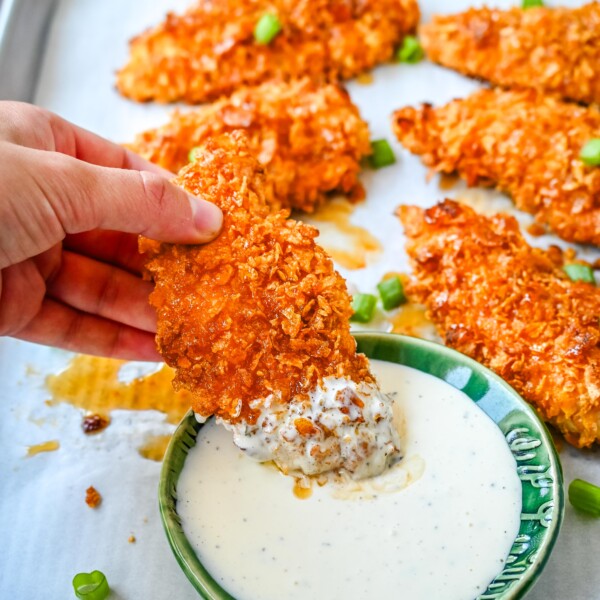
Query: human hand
point(71, 206)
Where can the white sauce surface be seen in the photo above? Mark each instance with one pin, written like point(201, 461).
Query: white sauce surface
point(444, 533)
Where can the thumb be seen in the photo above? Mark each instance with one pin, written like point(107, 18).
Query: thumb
point(86, 197)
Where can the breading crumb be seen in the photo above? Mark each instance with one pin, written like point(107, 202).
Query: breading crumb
point(92, 497)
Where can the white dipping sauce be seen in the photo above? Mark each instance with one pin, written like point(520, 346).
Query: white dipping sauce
point(445, 535)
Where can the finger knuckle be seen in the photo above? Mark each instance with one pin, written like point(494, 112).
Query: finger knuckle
point(156, 190)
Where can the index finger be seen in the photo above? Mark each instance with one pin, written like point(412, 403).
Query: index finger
point(34, 127)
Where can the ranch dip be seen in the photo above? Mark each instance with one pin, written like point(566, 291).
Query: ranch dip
point(439, 524)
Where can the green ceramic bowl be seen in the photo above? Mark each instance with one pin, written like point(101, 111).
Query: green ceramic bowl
point(538, 466)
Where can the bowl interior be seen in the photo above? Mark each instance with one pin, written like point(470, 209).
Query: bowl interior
point(538, 466)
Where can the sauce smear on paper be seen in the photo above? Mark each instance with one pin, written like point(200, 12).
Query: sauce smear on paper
point(49, 446)
point(349, 245)
point(92, 384)
point(411, 320)
point(155, 447)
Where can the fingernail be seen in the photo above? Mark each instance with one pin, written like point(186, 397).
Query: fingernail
point(208, 218)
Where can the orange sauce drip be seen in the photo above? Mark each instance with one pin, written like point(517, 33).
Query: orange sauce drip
point(356, 244)
point(49, 446)
point(447, 181)
point(92, 384)
point(155, 447)
point(303, 493)
point(365, 79)
point(411, 320)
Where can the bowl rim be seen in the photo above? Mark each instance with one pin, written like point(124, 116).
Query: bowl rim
point(506, 588)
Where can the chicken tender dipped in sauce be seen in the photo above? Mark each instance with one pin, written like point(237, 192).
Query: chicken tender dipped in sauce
point(256, 324)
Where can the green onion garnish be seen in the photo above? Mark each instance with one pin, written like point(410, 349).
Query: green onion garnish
point(192, 154)
point(91, 586)
point(392, 292)
point(363, 306)
point(532, 3)
point(410, 51)
point(267, 28)
point(585, 496)
point(590, 153)
point(382, 154)
point(580, 273)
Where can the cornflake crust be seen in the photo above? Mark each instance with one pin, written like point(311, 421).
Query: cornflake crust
point(310, 138)
point(523, 143)
point(512, 308)
point(555, 50)
point(210, 50)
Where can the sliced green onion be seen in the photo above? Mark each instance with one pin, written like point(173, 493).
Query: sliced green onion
point(392, 292)
point(382, 154)
point(363, 306)
point(267, 28)
point(410, 51)
point(192, 154)
point(590, 153)
point(532, 3)
point(91, 586)
point(580, 273)
point(585, 496)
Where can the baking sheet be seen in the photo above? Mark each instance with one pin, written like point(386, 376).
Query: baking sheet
point(49, 533)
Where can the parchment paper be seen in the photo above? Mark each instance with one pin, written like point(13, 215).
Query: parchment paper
point(49, 534)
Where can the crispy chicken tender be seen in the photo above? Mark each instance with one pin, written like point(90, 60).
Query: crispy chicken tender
point(520, 142)
point(512, 308)
point(310, 138)
point(555, 50)
point(210, 50)
point(256, 324)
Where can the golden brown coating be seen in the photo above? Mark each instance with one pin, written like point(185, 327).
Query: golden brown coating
point(310, 138)
point(210, 50)
point(555, 50)
point(520, 142)
point(260, 309)
point(512, 308)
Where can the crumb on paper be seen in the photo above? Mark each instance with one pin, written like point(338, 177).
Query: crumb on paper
point(131, 539)
point(92, 497)
point(536, 229)
point(94, 423)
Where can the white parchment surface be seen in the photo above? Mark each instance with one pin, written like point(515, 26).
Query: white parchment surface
point(48, 534)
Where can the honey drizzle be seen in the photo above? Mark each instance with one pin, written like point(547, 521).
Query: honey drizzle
point(357, 241)
point(92, 384)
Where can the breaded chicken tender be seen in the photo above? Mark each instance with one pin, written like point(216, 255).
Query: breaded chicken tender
point(525, 144)
point(555, 50)
point(210, 50)
point(310, 138)
point(512, 308)
point(256, 324)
